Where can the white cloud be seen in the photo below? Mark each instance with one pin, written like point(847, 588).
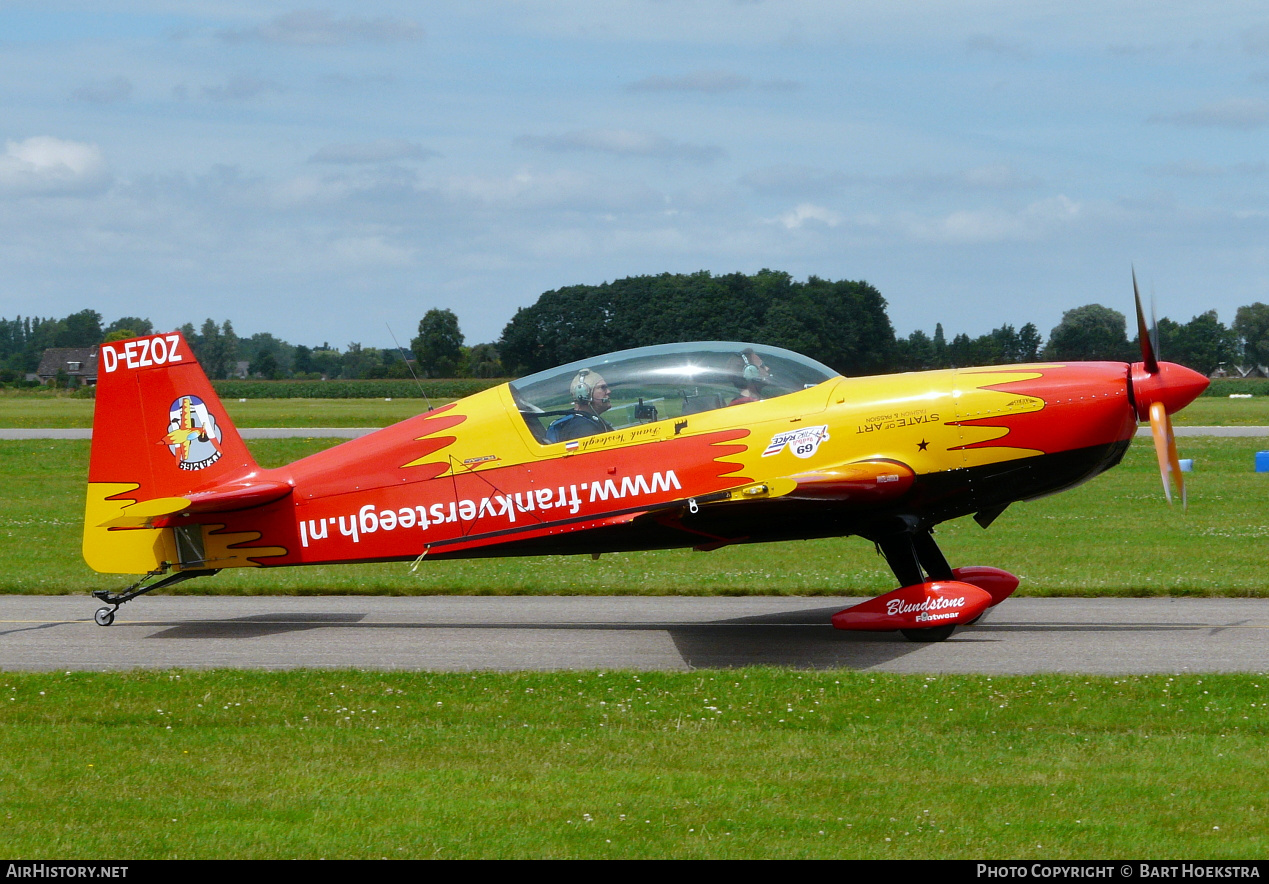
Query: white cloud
point(310, 191)
point(47, 165)
point(998, 225)
point(565, 191)
point(372, 250)
point(805, 212)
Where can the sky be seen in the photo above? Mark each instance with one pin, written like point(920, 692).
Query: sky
point(329, 173)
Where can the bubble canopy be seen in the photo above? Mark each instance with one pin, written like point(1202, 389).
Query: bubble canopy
point(648, 384)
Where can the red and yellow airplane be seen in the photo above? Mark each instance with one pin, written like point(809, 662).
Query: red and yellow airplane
point(683, 445)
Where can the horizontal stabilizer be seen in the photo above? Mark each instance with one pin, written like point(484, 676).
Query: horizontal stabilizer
point(158, 512)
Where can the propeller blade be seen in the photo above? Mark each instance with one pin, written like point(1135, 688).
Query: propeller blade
point(1143, 333)
point(1165, 450)
point(1154, 326)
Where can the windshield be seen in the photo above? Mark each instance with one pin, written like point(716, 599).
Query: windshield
point(656, 383)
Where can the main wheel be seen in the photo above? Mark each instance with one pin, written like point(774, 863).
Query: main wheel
point(929, 633)
point(104, 616)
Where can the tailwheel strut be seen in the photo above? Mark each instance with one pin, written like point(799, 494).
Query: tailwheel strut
point(106, 615)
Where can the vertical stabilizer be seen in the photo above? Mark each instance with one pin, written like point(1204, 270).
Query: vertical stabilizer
point(159, 435)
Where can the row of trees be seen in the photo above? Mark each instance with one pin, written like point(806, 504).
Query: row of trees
point(918, 351)
point(222, 352)
point(24, 339)
point(1204, 343)
point(843, 324)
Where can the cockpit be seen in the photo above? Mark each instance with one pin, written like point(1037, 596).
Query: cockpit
point(668, 381)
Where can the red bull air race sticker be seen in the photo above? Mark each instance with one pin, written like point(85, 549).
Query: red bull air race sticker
point(803, 441)
point(193, 436)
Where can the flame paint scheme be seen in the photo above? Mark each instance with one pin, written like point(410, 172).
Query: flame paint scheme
point(886, 458)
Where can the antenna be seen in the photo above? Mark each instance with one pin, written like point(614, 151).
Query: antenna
point(410, 368)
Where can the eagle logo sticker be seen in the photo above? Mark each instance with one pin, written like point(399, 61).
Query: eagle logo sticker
point(193, 435)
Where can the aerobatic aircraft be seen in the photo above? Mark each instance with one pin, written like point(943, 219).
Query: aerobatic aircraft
point(696, 445)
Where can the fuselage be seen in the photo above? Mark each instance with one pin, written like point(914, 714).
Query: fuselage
point(841, 457)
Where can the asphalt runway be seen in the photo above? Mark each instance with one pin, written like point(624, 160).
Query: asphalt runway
point(452, 633)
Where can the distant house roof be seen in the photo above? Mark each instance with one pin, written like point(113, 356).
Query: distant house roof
point(76, 362)
point(1239, 371)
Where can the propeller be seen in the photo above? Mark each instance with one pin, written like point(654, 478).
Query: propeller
point(1165, 450)
point(1149, 361)
point(1159, 389)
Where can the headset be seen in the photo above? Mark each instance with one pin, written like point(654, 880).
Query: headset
point(752, 372)
point(582, 392)
point(583, 389)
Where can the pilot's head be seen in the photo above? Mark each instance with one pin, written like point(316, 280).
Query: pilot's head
point(590, 392)
point(748, 370)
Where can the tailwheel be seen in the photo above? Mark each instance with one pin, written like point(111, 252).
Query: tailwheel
point(106, 616)
point(929, 633)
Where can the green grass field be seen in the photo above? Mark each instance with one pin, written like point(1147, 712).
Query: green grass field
point(755, 763)
point(22, 409)
point(63, 412)
point(1211, 411)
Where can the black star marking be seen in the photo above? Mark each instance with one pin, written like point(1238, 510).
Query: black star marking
point(922, 445)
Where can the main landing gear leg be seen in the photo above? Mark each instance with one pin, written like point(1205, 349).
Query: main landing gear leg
point(915, 557)
point(913, 554)
point(105, 616)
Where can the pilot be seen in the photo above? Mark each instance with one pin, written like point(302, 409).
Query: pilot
point(750, 376)
point(591, 398)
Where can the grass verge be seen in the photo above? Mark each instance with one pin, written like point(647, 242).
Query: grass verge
point(48, 410)
point(61, 412)
point(758, 763)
